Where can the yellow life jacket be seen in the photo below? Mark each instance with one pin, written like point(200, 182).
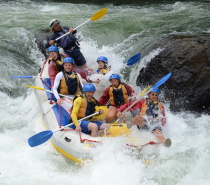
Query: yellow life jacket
point(119, 95)
point(100, 117)
point(58, 63)
point(145, 109)
point(70, 84)
point(103, 71)
point(87, 107)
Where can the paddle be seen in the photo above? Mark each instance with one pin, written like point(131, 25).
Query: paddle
point(133, 59)
point(26, 77)
point(44, 136)
point(95, 17)
point(42, 89)
point(141, 95)
point(146, 91)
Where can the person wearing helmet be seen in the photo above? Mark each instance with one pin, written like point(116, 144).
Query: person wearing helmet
point(103, 67)
point(55, 62)
point(69, 43)
point(84, 106)
point(149, 114)
point(67, 82)
point(115, 95)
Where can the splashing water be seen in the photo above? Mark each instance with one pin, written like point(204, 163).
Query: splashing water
point(123, 32)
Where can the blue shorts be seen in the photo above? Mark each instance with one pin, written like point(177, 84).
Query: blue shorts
point(84, 125)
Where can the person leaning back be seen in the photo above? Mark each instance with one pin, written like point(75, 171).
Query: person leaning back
point(69, 43)
point(148, 114)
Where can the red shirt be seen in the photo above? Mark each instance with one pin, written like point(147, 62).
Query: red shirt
point(105, 97)
point(52, 71)
point(138, 105)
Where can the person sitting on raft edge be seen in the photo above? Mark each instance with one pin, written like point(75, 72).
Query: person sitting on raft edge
point(69, 43)
point(55, 62)
point(115, 95)
point(148, 114)
point(67, 82)
point(84, 105)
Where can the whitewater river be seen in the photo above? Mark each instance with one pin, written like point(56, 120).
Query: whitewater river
point(121, 33)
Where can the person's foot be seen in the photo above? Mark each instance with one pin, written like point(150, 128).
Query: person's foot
point(167, 142)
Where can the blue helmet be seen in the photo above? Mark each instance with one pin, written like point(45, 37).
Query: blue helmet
point(114, 76)
point(68, 60)
point(102, 58)
point(89, 87)
point(156, 90)
point(53, 48)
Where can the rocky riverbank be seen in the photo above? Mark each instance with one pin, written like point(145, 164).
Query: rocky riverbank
point(188, 58)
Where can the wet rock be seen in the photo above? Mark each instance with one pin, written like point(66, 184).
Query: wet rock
point(41, 39)
point(188, 58)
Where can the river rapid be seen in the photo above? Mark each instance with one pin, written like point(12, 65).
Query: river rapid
point(124, 31)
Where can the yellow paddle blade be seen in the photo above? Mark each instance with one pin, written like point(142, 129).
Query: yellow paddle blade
point(98, 14)
point(34, 87)
point(116, 122)
point(145, 90)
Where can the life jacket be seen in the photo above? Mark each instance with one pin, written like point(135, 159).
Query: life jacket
point(58, 63)
point(103, 70)
point(87, 107)
point(70, 84)
point(119, 95)
point(150, 109)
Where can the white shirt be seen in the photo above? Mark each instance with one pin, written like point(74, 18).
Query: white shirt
point(58, 78)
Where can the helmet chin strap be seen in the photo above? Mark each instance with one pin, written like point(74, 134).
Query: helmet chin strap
point(105, 66)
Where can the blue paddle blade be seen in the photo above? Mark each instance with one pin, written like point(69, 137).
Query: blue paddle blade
point(134, 59)
point(161, 81)
point(40, 138)
point(21, 76)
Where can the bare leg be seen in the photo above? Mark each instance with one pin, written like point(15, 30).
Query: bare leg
point(111, 115)
point(162, 139)
point(93, 128)
point(159, 135)
point(102, 128)
point(138, 120)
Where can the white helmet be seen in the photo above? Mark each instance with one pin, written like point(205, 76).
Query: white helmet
point(54, 22)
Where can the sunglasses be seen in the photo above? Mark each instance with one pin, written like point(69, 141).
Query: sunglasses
point(154, 94)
